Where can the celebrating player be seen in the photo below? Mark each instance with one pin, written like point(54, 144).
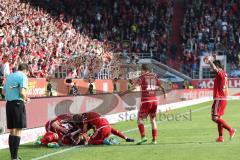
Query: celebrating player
point(149, 86)
point(62, 130)
point(219, 96)
point(101, 127)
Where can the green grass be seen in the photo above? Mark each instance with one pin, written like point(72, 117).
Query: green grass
point(181, 140)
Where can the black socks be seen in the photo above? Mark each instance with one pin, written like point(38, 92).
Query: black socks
point(10, 143)
point(14, 142)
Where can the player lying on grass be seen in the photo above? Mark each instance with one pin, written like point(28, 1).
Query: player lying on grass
point(149, 84)
point(219, 96)
point(63, 131)
point(101, 129)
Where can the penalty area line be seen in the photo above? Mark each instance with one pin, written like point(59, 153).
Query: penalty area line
point(127, 131)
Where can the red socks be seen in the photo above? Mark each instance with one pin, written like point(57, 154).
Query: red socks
point(141, 130)
point(154, 134)
point(220, 130)
point(118, 133)
point(224, 124)
point(48, 138)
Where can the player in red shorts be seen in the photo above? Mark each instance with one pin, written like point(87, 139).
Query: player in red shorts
point(101, 128)
point(149, 84)
point(220, 97)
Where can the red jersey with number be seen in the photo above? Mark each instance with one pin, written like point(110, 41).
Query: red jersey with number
point(149, 84)
point(220, 85)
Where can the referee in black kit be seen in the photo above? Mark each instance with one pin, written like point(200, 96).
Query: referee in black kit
point(15, 91)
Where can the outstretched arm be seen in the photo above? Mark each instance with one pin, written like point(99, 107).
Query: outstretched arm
point(127, 91)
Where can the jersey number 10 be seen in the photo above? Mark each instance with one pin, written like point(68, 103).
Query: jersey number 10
point(151, 84)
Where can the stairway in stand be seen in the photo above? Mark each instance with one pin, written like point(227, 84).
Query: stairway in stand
point(177, 19)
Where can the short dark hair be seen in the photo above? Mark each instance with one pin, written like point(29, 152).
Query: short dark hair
point(23, 66)
point(218, 64)
point(77, 117)
point(145, 67)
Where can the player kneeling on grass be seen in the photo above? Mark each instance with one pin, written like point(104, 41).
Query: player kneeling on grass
point(220, 97)
point(101, 129)
point(63, 131)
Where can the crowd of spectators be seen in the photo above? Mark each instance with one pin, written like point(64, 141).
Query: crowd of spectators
point(132, 25)
point(34, 36)
point(211, 27)
point(82, 35)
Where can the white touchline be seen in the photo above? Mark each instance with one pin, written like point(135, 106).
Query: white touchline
point(130, 130)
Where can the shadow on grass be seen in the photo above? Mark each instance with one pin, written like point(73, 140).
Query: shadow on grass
point(32, 146)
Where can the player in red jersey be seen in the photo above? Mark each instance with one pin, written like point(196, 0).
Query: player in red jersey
point(62, 130)
point(101, 128)
point(56, 125)
point(149, 84)
point(220, 97)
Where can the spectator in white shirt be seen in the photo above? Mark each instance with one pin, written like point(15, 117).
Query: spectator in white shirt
point(5, 69)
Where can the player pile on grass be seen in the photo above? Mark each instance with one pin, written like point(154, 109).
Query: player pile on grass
point(69, 129)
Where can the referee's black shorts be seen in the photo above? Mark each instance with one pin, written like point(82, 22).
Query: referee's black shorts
point(16, 114)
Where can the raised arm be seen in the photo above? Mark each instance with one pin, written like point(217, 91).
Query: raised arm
point(209, 60)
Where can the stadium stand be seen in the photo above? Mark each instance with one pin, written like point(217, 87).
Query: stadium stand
point(48, 33)
point(85, 38)
point(210, 27)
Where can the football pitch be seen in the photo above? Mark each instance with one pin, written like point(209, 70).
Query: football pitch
point(183, 134)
